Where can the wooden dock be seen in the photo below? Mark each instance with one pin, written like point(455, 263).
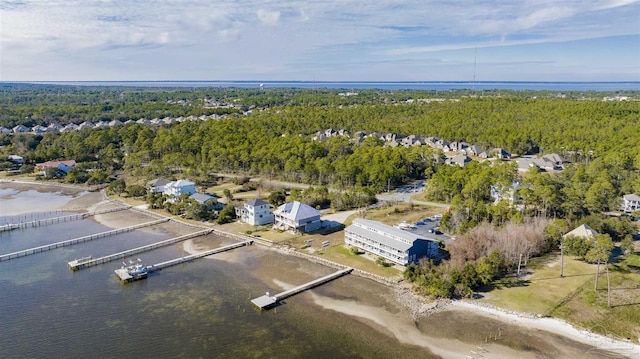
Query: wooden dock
point(83, 263)
point(173, 262)
point(126, 277)
point(61, 219)
point(26, 252)
point(267, 301)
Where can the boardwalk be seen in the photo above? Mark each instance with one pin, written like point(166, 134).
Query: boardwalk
point(89, 262)
point(48, 247)
point(61, 219)
point(137, 271)
point(266, 301)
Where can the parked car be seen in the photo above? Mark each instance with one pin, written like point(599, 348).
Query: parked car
point(419, 223)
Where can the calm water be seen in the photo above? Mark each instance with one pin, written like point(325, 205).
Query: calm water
point(199, 309)
point(389, 85)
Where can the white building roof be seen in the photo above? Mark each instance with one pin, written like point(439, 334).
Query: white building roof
point(296, 211)
point(582, 231)
point(631, 197)
point(383, 233)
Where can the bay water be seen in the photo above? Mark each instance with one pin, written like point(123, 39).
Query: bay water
point(199, 309)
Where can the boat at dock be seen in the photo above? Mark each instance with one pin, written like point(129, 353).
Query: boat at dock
point(132, 272)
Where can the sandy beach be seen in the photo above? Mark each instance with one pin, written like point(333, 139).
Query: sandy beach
point(471, 330)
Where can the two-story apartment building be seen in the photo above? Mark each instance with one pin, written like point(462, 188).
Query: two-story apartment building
point(394, 244)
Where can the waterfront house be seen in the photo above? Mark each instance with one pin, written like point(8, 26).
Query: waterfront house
point(630, 203)
point(255, 212)
point(393, 244)
point(175, 189)
point(64, 166)
point(15, 159)
point(157, 185)
point(207, 200)
point(297, 217)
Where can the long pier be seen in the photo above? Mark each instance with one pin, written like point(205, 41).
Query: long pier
point(68, 218)
point(26, 252)
point(173, 262)
point(266, 301)
point(84, 263)
point(137, 272)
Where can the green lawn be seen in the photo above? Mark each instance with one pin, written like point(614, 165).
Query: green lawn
point(543, 289)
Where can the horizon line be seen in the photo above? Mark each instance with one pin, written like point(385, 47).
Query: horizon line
point(323, 81)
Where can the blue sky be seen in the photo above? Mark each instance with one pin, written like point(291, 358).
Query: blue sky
point(346, 40)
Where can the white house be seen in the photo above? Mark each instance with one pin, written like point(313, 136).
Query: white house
point(394, 244)
point(174, 189)
point(630, 203)
point(255, 212)
point(297, 217)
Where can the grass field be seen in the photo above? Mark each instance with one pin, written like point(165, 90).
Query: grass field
point(541, 288)
point(573, 298)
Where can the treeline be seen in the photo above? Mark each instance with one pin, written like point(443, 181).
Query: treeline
point(579, 190)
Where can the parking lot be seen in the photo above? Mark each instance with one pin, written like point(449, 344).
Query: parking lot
point(426, 228)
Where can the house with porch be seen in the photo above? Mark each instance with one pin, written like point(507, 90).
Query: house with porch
point(175, 189)
point(255, 212)
point(296, 217)
point(157, 185)
point(394, 244)
point(630, 203)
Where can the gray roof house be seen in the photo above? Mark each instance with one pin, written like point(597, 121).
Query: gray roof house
point(460, 159)
point(297, 217)
point(630, 203)
point(157, 185)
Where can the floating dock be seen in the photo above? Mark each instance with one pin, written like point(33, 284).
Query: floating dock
point(83, 263)
point(127, 277)
point(26, 252)
point(267, 301)
point(61, 219)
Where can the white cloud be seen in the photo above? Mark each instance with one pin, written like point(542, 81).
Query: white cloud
point(268, 17)
point(229, 38)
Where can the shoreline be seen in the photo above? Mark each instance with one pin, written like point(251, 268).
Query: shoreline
point(402, 327)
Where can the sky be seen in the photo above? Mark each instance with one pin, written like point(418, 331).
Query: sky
point(320, 40)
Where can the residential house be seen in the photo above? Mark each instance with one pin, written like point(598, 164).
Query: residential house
point(501, 192)
point(582, 231)
point(64, 166)
point(297, 217)
point(4, 130)
point(157, 185)
point(630, 203)
point(38, 130)
point(175, 189)
point(15, 159)
point(20, 129)
point(86, 124)
point(394, 244)
point(255, 212)
point(209, 201)
point(460, 159)
point(500, 153)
